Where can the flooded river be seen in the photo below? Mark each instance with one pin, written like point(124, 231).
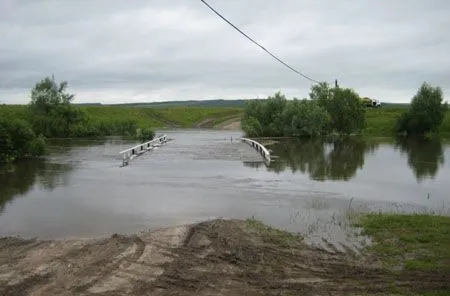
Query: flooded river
point(81, 190)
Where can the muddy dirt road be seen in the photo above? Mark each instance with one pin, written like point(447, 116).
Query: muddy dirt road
point(219, 257)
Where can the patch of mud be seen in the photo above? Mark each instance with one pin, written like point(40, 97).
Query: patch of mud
point(230, 124)
point(219, 257)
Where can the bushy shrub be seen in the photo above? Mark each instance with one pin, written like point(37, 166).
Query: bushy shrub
point(17, 140)
point(425, 114)
point(145, 134)
point(344, 106)
point(338, 109)
point(305, 118)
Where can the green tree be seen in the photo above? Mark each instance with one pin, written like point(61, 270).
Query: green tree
point(321, 93)
point(47, 94)
point(425, 114)
point(264, 117)
point(51, 112)
point(6, 147)
point(305, 118)
point(276, 116)
point(344, 106)
point(17, 140)
point(251, 126)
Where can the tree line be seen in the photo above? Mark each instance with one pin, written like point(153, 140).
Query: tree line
point(338, 111)
point(51, 114)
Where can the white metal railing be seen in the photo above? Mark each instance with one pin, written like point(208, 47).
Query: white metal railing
point(258, 146)
point(139, 149)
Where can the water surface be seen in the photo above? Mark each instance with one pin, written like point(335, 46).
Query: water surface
point(81, 190)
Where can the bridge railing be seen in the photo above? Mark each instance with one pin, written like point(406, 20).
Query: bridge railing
point(258, 146)
point(139, 149)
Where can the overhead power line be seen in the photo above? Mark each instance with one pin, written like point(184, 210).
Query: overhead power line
point(262, 47)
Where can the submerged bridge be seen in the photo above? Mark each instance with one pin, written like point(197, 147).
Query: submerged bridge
point(135, 151)
point(259, 147)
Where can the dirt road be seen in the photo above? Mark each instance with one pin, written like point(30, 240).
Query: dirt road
point(220, 257)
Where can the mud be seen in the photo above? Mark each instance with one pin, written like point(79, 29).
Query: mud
point(219, 257)
point(231, 123)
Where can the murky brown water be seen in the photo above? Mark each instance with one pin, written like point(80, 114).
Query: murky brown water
point(80, 190)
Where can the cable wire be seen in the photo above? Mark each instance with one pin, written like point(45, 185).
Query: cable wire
point(262, 47)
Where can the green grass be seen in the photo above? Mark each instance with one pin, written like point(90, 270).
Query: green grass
point(190, 116)
point(144, 117)
point(380, 122)
point(184, 117)
point(14, 111)
point(413, 242)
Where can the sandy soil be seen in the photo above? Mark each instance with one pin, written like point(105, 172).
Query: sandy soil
point(219, 257)
point(232, 123)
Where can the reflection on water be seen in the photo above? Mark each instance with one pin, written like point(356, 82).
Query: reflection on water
point(341, 160)
point(425, 157)
point(17, 179)
point(321, 160)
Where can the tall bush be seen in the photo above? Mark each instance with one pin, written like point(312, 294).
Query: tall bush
point(344, 106)
point(17, 140)
point(277, 116)
point(425, 114)
point(51, 112)
point(330, 109)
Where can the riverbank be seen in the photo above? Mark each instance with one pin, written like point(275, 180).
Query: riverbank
point(380, 122)
point(225, 257)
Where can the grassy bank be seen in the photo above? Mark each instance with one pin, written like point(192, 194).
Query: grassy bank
point(381, 122)
point(414, 246)
point(411, 242)
point(183, 117)
point(180, 117)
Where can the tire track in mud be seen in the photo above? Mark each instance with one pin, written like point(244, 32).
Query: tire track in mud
point(220, 257)
point(130, 253)
point(223, 258)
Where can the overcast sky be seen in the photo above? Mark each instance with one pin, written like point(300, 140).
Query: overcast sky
point(114, 51)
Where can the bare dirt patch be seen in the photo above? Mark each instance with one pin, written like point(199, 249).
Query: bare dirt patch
point(233, 123)
point(220, 257)
point(230, 123)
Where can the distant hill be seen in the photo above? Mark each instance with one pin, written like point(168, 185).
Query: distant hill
point(88, 104)
point(191, 103)
point(206, 103)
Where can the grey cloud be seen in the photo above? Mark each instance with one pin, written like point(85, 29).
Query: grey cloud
point(110, 51)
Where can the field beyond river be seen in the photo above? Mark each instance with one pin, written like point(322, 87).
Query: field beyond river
point(380, 122)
